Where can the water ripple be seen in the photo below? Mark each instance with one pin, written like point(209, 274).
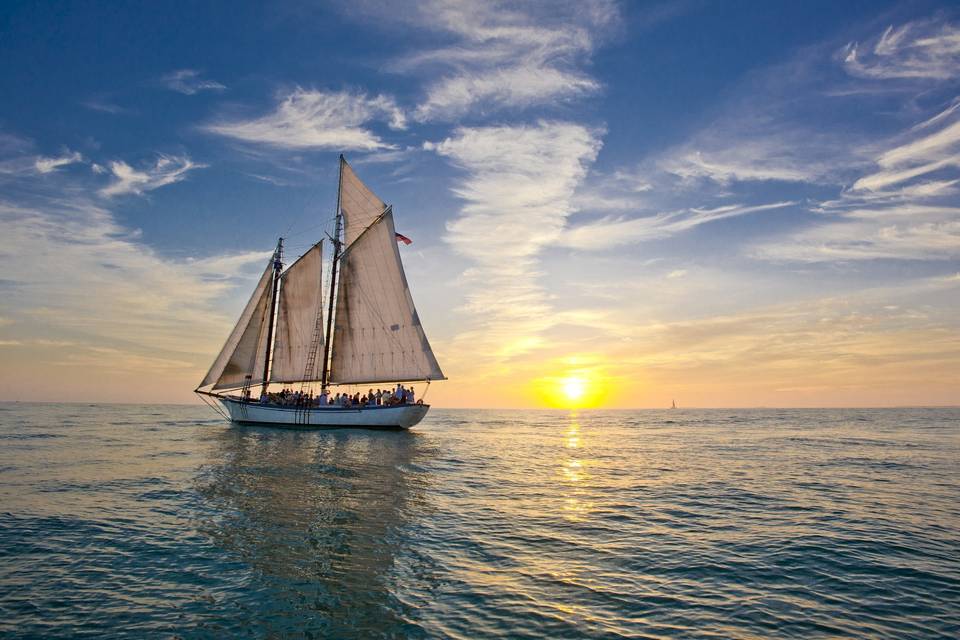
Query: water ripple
point(161, 521)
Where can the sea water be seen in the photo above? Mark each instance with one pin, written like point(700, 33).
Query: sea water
point(165, 521)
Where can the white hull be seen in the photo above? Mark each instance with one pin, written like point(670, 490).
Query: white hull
point(394, 417)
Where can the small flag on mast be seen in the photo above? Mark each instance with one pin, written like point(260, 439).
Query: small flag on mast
point(402, 238)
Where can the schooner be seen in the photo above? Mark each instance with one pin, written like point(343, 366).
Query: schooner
point(371, 334)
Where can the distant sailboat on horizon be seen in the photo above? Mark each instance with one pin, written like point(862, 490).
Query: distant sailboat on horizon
point(373, 333)
point(673, 404)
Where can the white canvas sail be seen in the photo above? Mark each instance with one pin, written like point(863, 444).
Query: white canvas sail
point(360, 206)
point(298, 318)
point(243, 353)
point(377, 336)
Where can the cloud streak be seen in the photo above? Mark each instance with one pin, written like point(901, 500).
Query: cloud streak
point(48, 165)
point(167, 170)
point(612, 232)
point(188, 82)
point(309, 119)
point(80, 272)
point(918, 155)
point(922, 49)
point(506, 57)
point(517, 193)
point(903, 210)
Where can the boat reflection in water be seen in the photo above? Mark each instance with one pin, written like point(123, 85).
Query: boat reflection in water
point(319, 519)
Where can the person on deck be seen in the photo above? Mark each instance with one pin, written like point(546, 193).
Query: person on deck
point(410, 396)
point(379, 397)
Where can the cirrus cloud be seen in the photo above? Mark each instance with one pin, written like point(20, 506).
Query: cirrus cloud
point(305, 119)
point(166, 170)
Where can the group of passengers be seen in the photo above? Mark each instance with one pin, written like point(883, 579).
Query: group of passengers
point(378, 398)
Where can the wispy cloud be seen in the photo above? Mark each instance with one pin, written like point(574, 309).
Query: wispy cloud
point(918, 155)
point(765, 131)
point(520, 178)
point(104, 106)
point(892, 188)
point(47, 165)
point(306, 119)
point(189, 82)
point(612, 232)
point(167, 170)
point(25, 165)
point(506, 56)
point(903, 210)
point(922, 49)
point(80, 272)
point(518, 192)
point(770, 158)
point(519, 86)
point(899, 232)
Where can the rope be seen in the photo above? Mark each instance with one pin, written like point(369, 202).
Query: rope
point(215, 407)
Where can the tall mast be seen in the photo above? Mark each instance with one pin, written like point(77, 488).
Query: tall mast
point(333, 282)
point(277, 267)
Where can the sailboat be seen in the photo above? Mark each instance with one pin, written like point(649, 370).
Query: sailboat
point(371, 334)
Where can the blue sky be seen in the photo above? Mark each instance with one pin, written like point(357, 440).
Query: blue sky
point(733, 203)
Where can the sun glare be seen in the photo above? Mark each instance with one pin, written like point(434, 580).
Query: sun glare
point(574, 388)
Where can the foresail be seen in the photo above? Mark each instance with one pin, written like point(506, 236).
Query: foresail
point(377, 336)
point(243, 353)
point(298, 342)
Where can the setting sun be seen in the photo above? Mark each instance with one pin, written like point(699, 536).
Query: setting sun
point(573, 388)
point(582, 387)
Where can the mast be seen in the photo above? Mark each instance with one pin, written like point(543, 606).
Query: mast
point(333, 282)
point(277, 266)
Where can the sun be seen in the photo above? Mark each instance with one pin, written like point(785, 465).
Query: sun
point(582, 387)
point(574, 388)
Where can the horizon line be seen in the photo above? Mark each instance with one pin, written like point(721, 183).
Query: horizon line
point(699, 408)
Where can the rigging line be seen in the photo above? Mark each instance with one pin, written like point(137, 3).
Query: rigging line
point(300, 231)
point(215, 407)
point(290, 266)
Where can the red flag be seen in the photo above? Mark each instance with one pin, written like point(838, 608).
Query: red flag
point(402, 238)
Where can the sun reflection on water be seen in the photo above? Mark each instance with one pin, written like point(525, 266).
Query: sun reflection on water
point(573, 469)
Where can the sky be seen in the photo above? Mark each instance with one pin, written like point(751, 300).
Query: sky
point(726, 204)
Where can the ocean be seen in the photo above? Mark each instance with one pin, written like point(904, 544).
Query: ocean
point(165, 521)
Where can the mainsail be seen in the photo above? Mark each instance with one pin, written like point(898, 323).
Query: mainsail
point(299, 341)
point(377, 335)
point(240, 361)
